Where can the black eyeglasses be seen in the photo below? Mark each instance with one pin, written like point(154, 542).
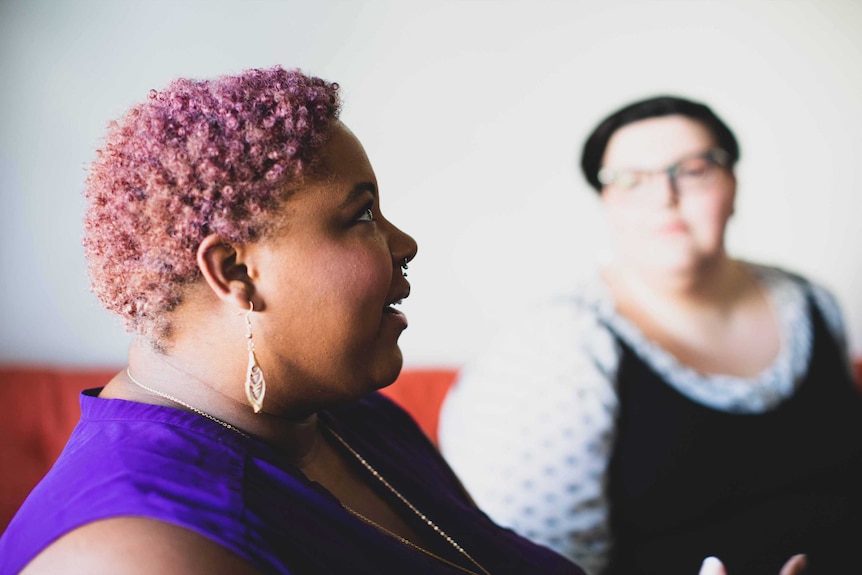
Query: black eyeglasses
point(691, 174)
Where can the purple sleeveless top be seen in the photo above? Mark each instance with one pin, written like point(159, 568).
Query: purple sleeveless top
point(132, 459)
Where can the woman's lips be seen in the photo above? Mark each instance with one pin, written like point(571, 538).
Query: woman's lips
point(395, 316)
point(675, 227)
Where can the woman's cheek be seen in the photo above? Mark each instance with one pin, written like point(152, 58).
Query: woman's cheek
point(625, 227)
point(367, 276)
point(712, 215)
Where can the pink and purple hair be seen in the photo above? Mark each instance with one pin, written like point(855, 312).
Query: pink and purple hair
point(198, 158)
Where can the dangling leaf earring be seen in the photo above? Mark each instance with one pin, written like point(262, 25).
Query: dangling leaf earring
point(255, 384)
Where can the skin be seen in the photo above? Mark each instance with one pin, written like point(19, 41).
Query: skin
point(671, 275)
point(795, 566)
point(666, 234)
point(322, 285)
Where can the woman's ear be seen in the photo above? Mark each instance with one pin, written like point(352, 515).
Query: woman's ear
point(733, 196)
point(226, 276)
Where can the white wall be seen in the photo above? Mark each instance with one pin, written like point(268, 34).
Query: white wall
point(472, 112)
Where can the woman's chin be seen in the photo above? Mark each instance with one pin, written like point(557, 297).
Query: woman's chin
point(385, 372)
point(681, 260)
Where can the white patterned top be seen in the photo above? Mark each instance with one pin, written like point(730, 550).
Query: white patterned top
point(529, 427)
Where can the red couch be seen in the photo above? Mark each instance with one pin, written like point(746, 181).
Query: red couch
point(41, 407)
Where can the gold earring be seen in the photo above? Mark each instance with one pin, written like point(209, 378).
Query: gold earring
point(255, 384)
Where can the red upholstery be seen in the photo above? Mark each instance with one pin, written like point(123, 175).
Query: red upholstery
point(421, 392)
point(40, 409)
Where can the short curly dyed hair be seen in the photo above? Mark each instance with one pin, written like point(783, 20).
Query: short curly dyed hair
point(200, 157)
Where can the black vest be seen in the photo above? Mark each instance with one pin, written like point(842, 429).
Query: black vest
point(687, 481)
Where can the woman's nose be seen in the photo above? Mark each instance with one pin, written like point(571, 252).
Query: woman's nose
point(665, 189)
point(403, 246)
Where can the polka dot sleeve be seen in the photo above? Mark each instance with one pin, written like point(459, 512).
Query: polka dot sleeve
point(529, 430)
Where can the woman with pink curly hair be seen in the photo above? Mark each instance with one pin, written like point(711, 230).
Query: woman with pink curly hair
point(235, 225)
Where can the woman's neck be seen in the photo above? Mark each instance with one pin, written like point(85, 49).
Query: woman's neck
point(715, 285)
point(216, 389)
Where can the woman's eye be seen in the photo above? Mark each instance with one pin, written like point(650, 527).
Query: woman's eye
point(628, 180)
point(366, 216)
point(693, 169)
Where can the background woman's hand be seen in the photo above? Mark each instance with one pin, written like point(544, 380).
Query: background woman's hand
point(794, 566)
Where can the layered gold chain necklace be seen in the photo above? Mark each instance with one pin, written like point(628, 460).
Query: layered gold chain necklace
point(412, 508)
point(353, 512)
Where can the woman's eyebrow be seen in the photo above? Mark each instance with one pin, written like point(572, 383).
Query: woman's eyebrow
point(358, 190)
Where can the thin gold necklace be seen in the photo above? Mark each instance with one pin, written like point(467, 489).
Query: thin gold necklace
point(186, 405)
point(409, 543)
point(410, 506)
point(353, 512)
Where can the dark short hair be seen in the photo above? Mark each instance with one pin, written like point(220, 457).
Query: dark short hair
point(655, 107)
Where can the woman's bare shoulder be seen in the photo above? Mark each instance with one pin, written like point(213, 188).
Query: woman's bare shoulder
point(136, 545)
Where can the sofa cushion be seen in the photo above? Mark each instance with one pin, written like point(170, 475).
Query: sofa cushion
point(421, 392)
point(40, 409)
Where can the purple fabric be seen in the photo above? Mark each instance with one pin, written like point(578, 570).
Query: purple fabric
point(127, 458)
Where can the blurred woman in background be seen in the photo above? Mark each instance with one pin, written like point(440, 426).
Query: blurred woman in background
point(682, 404)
